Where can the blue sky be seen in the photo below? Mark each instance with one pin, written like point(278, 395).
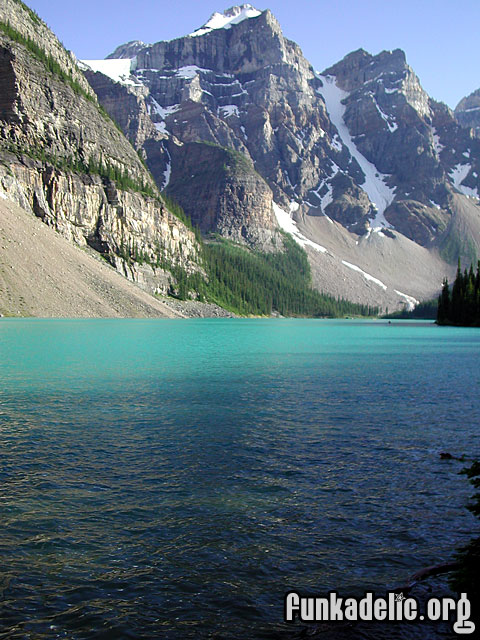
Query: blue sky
point(439, 37)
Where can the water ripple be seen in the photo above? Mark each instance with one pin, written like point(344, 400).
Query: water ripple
point(175, 479)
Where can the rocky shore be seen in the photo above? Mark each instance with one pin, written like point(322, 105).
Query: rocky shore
point(195, 309)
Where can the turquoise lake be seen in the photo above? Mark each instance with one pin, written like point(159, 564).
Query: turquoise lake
point(175, 478)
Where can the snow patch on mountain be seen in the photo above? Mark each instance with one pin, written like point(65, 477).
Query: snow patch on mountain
point(228, 110)
point(225, 20)
point(366, 275)
point(119, 70)
point(410, 300)
point(327, 197)
point(288, 224)
point(438, 146)
point(458, 175)
point(391, 122)
point(163, 112)
point(380, 194)
point(190, 71)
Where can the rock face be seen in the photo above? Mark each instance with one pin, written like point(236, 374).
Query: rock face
point(360, 145)
point(467, 112)
point(409, 142)
point(136, 234)
point(357, 162)
point(362, 142)
point(62, 158)
point(232, 200)
point(246, 88)
point(44, 275)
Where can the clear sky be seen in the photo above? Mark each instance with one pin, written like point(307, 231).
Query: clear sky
point(440, 37)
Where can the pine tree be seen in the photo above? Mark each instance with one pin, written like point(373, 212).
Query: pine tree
point(443, 313)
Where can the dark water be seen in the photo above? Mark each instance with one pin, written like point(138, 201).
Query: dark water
point(173, 479)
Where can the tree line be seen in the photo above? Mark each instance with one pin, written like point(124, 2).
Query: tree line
point(255, 283)
point(460, 305)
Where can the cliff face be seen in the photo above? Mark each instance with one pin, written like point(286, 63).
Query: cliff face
point(361, 143)
point(137, 235)
point(248, 89)
point(63, 159)
point(232, 200)
point(467, 112)
point(42, 274)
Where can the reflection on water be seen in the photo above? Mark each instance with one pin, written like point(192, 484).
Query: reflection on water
point(174, 479)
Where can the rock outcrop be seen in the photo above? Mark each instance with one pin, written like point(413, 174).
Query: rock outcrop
point(63, 159)
point(221, 191)
point(467, 112)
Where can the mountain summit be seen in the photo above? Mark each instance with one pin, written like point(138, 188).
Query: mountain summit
point(229, 17)
point(378, 181)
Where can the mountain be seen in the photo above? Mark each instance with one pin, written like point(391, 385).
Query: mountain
point(65, 161)
point(376, 180)
point(467, 112)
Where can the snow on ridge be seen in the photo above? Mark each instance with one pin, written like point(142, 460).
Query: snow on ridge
point(288, 224)
point(225, 20)
point(380, 194)
point(366, 275)
point(117, 69)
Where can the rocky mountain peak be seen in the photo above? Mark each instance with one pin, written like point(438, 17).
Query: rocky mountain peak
point(229, 17)
point(360, 70)
point(127, 50)
point(467, 112)
point(233, 121)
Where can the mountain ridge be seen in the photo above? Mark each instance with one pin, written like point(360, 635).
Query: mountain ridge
point(391, 162)
point(374, 179)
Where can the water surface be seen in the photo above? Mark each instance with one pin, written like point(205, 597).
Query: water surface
point(175, 478)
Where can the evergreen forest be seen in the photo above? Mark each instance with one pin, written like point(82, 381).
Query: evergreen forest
point(460, 305)
point(255, 283)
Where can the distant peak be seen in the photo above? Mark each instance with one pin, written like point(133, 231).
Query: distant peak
point(225, 20)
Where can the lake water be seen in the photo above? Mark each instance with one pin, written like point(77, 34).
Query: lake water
point(176, 478)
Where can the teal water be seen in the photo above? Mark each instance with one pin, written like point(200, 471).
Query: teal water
point(175, 478)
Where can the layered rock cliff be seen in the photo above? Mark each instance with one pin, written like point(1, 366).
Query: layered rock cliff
point(62, 158)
